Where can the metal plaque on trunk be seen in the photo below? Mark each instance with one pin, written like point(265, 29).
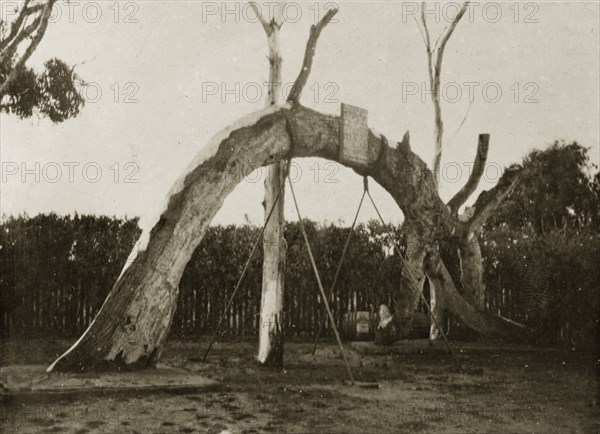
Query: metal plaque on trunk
point(354, 131)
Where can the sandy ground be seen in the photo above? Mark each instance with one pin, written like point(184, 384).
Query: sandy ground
point(502, 389)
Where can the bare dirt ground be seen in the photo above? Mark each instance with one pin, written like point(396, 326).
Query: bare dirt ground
point(501, 389)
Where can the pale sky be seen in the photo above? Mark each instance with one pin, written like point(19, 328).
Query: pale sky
point(176, 64)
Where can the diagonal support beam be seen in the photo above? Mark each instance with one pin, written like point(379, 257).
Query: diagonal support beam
point(318, 277)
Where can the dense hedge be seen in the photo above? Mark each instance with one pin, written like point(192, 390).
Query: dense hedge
point(550, 281)
point(56, 272)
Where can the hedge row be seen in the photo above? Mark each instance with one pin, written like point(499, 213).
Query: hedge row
point(56, 272)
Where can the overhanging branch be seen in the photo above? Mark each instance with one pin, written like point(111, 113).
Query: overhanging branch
point(309, 54)
point(39, 25)
point(478, 166)
point(16, 25)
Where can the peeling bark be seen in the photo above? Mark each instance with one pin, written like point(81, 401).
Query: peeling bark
point(437, 310)
point(270, 341)
point(270, 333)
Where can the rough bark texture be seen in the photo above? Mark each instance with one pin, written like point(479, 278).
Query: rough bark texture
point(130, 328)
point(471, 272)
point(270, 347)
point(411, 284)
point(270, 341)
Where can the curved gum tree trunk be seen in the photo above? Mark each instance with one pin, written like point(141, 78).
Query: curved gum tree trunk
point(130, 328)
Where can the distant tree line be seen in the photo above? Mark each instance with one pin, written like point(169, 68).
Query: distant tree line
point(542, 247)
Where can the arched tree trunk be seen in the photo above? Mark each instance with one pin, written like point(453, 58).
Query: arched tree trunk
point(131, 326)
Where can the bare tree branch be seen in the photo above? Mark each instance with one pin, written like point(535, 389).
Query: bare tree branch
point(8, 53)
point(427, 39)
point(488, 202)
point(309, 54)
point(478, 166)
point(35, 8)
point(272, 31)
point(265, 23)
point(420, 31)
point(446, 37)
point(464, 119)
point(42, 21)
point(15, 26)
point(435, 58)
point(426, 30)
point(16, 36)
point(437, 41)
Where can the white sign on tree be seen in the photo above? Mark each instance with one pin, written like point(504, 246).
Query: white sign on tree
point(354, 132)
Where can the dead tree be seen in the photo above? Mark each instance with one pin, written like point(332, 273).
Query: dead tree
point(270, 341)
point(467, 244)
